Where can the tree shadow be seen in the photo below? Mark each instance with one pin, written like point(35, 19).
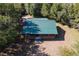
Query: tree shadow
point(22, 49)
point(29, 23)
point(61, 34)
point(35, 51)
point(30, 27)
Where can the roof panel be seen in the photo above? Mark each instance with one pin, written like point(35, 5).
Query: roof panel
point(37, 26)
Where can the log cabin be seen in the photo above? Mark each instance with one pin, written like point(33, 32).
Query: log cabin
point(43, 27)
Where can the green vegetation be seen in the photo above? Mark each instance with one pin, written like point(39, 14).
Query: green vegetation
point(67, 14)
point(8, 24)
point(44, 10)
point(53, 11)
point(67, 52)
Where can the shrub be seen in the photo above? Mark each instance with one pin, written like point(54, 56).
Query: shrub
point(67, 52)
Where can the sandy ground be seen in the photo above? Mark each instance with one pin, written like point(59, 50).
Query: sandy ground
point(52, 48)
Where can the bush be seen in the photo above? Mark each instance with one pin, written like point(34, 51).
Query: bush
point(67, 52)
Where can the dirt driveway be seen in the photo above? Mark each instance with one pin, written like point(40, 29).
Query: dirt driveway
point(52, 48)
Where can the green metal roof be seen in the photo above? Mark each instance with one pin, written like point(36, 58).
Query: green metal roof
point(39, 26)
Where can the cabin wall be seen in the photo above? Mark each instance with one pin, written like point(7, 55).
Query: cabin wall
point(48, 36)
point(43, 36)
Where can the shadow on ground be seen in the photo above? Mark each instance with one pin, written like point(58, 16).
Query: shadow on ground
point(61, 34)
point(22, 49)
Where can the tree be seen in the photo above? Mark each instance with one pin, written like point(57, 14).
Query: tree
point(53, 11)
point(31, 8)
point(8, 24)
point(44, 10)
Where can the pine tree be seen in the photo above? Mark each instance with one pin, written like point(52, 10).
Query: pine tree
point(31, 8)
point(44, 10)
point(53, 11)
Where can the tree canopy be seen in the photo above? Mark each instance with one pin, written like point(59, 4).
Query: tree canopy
point(64, 13)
